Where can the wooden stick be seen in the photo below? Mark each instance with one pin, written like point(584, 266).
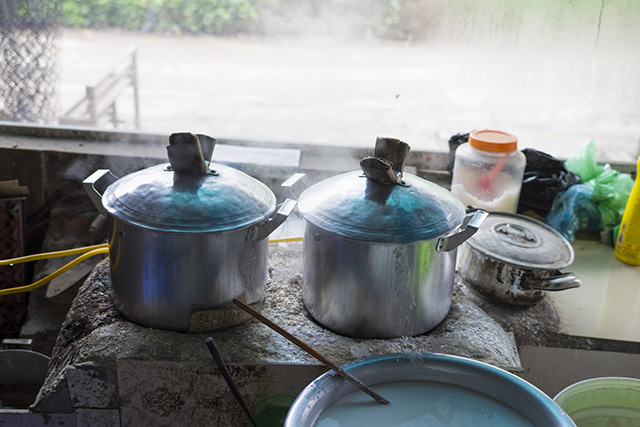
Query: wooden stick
point(217, 356)
point(353, 380)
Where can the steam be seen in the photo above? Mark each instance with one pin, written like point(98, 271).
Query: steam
point(555, 73)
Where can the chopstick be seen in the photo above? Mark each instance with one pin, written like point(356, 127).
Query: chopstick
point(330, 364)
point(217, 356)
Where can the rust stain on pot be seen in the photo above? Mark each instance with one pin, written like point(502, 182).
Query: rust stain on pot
point(500, 281)
point(499, 268)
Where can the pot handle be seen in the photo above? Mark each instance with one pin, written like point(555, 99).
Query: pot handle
point(558, 283)
point(263, 230)
point(469, 227)
point(295, 185)
point(292, 188)
point(102, 178)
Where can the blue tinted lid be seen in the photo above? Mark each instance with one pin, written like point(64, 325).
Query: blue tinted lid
point(159, 199)
point(353, 206)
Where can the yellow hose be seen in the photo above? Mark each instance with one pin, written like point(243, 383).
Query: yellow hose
point(88, 252)
point(286, 240)
point(46, 255)
point(92, 251)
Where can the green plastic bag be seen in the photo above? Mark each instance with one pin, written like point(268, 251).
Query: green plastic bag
point(600, 198)
point(611, 192)
point(583, 162)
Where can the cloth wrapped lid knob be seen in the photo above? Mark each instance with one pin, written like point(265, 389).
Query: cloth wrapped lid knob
point(189, 153)
point(388, 161)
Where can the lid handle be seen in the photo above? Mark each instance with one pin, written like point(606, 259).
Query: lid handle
point(388, 161)
point(393, 150)
point(186, 150)
point(516, 234)
point(207, 144)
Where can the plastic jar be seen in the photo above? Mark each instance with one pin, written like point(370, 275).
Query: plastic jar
point(488, 170)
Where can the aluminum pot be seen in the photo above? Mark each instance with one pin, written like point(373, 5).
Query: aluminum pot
point(515, 260)
point(459, 391)
point(378, 257)
point(183, 244)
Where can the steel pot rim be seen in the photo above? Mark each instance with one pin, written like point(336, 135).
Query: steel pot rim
point(152, 199)
point(442, 368)
point(352, 206)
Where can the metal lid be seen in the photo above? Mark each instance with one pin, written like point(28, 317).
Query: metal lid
point(522, 241)
point(353, 206)
point(159, 199)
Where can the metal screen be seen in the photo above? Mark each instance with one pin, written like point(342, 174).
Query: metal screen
point(28, 60)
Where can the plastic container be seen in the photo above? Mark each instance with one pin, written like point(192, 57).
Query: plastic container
point(488, 170)
point(605, 401)
point(627, 247)
point(271, 411)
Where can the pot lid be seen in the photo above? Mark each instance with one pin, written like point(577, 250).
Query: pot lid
point(522, 241)
point(160, 199)
point(353, 206)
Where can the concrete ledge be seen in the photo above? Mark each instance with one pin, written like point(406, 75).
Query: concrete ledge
point(25, 418)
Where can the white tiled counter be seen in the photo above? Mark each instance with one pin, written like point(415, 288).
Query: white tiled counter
point(600, 320)
point(607, 305)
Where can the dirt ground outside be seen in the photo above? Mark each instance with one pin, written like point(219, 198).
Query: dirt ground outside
point(336, 91)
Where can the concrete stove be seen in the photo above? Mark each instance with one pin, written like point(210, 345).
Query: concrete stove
point(106, 370)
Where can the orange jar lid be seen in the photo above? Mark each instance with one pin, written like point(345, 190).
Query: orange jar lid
point(494, 141)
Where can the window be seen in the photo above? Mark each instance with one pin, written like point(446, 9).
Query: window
point(554, 73)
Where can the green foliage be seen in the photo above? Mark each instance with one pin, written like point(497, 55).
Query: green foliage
point(195, 16)
point(28, 13)
point(393, 12)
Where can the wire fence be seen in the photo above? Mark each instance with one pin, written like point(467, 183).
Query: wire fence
point(29, 48)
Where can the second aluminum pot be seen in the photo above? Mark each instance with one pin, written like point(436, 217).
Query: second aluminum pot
point(378, 258)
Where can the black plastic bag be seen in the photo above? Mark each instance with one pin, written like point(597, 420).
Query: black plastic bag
point(544, 177)
point(454, 142)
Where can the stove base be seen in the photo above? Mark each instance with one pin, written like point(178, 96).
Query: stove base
point(109, 369)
